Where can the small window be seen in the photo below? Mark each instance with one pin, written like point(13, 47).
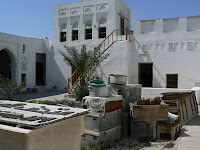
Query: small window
point(102, 32)
point(74, 35)
point(102, 8)
point(63, 14)
point(24, 48)
point(63, 36)
point(172, 80)
point(157, 46)
point(64, 26)
point(144, 48)
point(171, 46)
point(23, 79)
point(190, 45)
point(88, 34)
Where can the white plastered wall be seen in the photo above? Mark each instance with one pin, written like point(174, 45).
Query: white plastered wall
point(181, 58)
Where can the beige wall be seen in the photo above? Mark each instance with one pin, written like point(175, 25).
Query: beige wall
point(64, 135)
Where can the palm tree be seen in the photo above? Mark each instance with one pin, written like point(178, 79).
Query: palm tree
point(84, 62)
point(8, 88)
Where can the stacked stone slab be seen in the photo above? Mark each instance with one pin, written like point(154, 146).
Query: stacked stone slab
point(129, 92)
point(103, 123)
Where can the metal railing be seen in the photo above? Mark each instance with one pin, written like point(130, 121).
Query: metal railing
point(115, 36)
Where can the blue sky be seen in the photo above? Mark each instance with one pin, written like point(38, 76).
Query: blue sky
point(34, 18)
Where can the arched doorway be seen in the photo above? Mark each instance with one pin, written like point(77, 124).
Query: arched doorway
point(7, 64)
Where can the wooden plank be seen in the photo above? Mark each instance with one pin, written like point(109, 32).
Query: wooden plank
point(149, 113)
point(186, 109)
point(182, 113)
point(192, 105)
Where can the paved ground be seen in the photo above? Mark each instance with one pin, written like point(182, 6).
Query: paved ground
point(190, 136)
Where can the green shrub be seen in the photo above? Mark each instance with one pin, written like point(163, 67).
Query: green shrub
point(169, 145)
point(8, 87)
point(96, 146)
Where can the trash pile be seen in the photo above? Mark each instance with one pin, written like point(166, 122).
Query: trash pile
point(149, 101)
point(162, 116)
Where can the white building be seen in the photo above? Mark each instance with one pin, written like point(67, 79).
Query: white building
point(160, 53)
point(27, 58)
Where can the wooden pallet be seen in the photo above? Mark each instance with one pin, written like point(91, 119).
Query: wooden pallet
point(168, 129)
point(183, 104)
point(149, 112)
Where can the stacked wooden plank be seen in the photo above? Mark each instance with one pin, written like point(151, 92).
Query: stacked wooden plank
point(144, 119)
point(183, 104)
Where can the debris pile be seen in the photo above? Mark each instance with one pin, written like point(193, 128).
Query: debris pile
point(149, 101)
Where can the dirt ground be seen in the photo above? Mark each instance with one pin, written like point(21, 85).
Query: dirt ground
point(131, 144)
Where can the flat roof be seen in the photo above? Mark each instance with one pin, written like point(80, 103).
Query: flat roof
point(197, 16)
point(31, 115)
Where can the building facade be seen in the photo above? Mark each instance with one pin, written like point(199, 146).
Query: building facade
point(169, 49)
point(27, 58)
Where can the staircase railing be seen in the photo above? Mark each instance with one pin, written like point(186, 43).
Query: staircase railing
point(115, 36)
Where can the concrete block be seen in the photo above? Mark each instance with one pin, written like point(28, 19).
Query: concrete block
point(125, 125)
point(130, 92)
point(102, 121)
point(104, 136)
point(140, 129)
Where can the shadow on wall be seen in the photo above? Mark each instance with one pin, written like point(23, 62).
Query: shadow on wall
point(56, 79)
point(142, 57)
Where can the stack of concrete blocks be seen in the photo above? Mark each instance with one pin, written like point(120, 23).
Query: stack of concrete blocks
point(144, 119)
point(129, 92)
point(143, 129)
point(102, 126)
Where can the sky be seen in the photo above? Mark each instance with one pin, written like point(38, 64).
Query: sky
point(34, 18)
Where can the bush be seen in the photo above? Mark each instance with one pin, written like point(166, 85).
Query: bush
point(96, 146)
point(8, 88)
point(169, 145)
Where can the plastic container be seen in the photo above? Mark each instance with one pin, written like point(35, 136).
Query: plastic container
point(97, 83)
point(98, 88)
point(118, 79)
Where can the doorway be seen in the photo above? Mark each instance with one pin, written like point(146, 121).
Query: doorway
point(146, 74)
point(5, 64)
point(40, 69)
point(122, 26)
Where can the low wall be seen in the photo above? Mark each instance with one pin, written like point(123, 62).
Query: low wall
point(63, 135)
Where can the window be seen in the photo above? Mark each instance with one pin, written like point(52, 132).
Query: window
point(88, 34)
point(102, 8)
point(63, 14)
point(63, 36)
point(190, 45)
point(23, 79)
point(172, 80)
point(74, 35)
point(144, 48)
point(64, 26)
point(24, 48)
point(102, 32)
point(88, 10)
point(74, 12)
point(171, 46)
